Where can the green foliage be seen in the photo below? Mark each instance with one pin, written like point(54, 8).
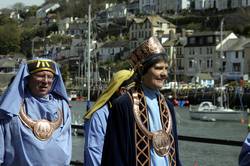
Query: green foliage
point(25, 42)
point(246, 31)
point(6, 20)
point(194, 26)
point(65, 71)
point(9, 38)
point(54, 39)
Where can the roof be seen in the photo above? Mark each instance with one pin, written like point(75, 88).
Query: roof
point(235, 44)
point(205, 76)
point(155, 20)
point(209, 33)
point(7, 62)
point(115, 44)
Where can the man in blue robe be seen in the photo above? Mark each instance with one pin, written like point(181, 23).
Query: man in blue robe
point(96, 118)
point(35, 119)
point(244, 158)
point(141, 128)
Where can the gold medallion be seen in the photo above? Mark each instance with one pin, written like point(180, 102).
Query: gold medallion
point(161, 143)
point(42, 129)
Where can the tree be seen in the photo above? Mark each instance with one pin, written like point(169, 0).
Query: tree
point(9, 38)
point(18, 6)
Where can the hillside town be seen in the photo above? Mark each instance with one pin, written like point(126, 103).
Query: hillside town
point(69, 94)
point(198, 57)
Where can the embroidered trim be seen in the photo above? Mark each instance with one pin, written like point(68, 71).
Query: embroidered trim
point(162, 140)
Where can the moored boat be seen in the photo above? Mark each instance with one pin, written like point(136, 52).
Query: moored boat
point(208, 112)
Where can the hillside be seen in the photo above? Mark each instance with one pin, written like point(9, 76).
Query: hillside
point(237, 20)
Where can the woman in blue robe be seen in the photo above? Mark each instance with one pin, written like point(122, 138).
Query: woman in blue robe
point(95, 120)
point(141, 127)
point(35, 118)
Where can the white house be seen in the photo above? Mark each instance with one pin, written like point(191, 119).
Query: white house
point(42, 12)
point(234, 60)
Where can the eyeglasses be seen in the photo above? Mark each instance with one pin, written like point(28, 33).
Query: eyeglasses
point(42, 77)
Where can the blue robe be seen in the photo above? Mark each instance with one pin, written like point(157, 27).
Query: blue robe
point(18, 144)
point(119, 146)
point(95, 130)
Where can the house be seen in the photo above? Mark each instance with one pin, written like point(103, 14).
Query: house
point(141, 28)
point(235, 58)
point(133, 7)
point(220, 4)
point(171, 5)
point(73, 27)
point(112, 11)
point(147, 6)
point(202, 53)
point(111, 50)
point(44, 10)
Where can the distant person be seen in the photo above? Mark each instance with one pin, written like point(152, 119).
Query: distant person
point(35, 119)
point(141, 127)
point(96, 118)
point(244, 157)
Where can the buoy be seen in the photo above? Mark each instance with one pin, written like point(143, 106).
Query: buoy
point(195, 163)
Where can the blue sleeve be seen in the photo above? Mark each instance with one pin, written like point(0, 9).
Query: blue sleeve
point(244, 158)
point(94, 138)
point(1, 141)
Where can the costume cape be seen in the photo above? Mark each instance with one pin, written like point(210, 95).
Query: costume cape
point(119, 145)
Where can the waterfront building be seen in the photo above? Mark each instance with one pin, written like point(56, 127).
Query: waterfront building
point(201, 53)
point(141, 28)
point(235, 62)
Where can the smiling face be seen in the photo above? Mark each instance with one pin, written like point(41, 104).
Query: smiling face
point(156, 75)
point(40, 83)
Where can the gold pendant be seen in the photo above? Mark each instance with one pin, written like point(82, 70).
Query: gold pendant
point(42, 129)
point(161, 143)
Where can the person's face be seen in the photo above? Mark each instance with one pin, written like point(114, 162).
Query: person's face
point(156, 75)
point(40, 83)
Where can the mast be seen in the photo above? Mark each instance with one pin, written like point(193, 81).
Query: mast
point(88, 59)
point(221, 58)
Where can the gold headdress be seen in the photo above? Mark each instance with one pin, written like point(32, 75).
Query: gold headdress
point(41, 65)
point(146, 50)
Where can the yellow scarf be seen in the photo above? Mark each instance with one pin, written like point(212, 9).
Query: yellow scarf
point(117, 80)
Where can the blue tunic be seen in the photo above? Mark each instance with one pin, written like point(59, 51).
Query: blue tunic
point(95, 130)
point(154, 123)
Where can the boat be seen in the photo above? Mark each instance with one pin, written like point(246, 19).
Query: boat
point(72, 95)
point(209, 112)
point(206, 111)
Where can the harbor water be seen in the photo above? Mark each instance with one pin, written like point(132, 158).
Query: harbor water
point(191, 153)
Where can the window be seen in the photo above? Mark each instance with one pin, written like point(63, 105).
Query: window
point(236, 67)
point(190, 64)
point(192, 40)
point(210, 40)
point(201, 41)
point(236, 55)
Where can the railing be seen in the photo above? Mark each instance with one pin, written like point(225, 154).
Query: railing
point(181, 138)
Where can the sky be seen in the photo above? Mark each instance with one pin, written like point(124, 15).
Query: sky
point(9, 3)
